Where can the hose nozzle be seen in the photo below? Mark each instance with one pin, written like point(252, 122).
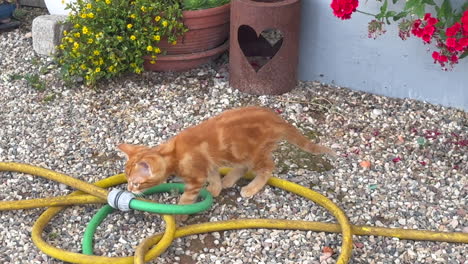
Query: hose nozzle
point(120, 199)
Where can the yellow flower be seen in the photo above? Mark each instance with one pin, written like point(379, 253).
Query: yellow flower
point(157, 18)
point(63, 2)
point(133, 65)
point(132, 37)
point(76, 45)
point(138, 70)
point(70, 40)
point(77, 34)
point(61, 47)
point(89, 6)
point(83, 15)
point(90, 40)
point(108, 2)
point(174, 42)
point(87, 77)
point(76, 26)
point(97, 69)
point(157, 37)
point(111, 68)
point(82, 66)
point(91, 15)
point(65, 32)
point(149, 48)
point(129, 26)
point(101, 61)
point(133, 16)
point(119, 38)
point(96, 52)
point(143, 8)
point(157, 50)
point(152, 62)
point(164, 23)
point(153, 56)
point(85, 30)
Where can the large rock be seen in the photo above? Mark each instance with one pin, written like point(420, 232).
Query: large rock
point(47, 31)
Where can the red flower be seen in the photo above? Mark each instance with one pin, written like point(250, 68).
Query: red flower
point(451, 42)
point(435, 56)
point(463, 42)
point(443, 58)
point(453, 30)
point(426, 38)
point(344, 8)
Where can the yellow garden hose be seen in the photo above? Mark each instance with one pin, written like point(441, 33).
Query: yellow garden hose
point(162, 241)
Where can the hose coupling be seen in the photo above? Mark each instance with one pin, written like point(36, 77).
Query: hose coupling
point(120, 199)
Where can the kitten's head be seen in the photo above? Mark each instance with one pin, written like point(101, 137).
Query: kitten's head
point(145, 167)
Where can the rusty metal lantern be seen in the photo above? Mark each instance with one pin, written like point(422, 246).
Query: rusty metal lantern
point(256, 65)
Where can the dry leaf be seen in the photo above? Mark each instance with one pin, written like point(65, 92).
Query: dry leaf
point(365, 164)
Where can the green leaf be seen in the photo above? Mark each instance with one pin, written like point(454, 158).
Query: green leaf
point(400, 16)
point(420, 10)
point(429, 2)
point(390, 14)
point(446, 8)
point(410, 4)
point(383, 8)
point(464, 54)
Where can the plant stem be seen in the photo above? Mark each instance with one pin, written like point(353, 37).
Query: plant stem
point(365, 13)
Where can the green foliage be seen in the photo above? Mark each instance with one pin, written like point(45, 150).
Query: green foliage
point(109, 37)
point(202, 4)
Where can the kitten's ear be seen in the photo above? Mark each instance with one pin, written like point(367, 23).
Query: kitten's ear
point(144, 169)
point(128, 149)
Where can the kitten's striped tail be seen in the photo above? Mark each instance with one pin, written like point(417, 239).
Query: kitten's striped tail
point(295, 137)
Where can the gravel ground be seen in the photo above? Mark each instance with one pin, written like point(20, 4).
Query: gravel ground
point(417, 154)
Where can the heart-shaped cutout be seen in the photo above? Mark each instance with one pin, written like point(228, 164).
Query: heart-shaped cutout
point(259, 49)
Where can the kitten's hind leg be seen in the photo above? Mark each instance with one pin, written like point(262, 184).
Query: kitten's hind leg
point(263, 169)
point(233, 176)
point(214, 182)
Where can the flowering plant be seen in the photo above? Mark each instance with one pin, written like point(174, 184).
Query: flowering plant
point(448, 29)
point(109, 37)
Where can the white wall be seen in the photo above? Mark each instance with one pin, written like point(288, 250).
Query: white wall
point(339, 52)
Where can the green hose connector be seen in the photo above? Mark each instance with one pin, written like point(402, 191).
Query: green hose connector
point(87, 242)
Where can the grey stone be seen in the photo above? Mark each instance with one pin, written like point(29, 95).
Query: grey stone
point(47, 31)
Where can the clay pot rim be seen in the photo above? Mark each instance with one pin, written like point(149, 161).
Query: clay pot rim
point(191, 56)
point(205, 12)
point(266, 4)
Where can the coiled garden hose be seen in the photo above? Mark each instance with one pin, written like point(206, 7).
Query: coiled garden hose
point(145, 251)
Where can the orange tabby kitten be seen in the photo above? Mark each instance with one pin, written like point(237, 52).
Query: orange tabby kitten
point(242, 138)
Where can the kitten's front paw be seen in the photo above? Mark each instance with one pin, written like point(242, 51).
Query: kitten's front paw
point(247, 192)
point(181, 218)
point(215, 190)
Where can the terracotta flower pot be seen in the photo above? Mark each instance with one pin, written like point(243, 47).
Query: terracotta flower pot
point(183, 62)
point(207, 29)
point(206, 38)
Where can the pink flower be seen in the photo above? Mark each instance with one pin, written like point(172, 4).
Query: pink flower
point(443, 58)
point(463, 42)
point(453, 30)
point(344, 8)
point(451, 42)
